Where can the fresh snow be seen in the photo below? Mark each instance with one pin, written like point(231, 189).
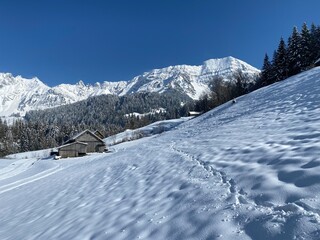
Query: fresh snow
point(19, 95)
point(140, 115)
point(147, 131)
point(248, 170)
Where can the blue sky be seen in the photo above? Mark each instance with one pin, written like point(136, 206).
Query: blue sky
point(64, 41)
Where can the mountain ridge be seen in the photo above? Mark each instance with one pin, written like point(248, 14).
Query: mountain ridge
point(19, 95)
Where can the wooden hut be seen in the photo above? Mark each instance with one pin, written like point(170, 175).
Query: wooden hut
point(74, 149)
point(94, 143)
point(79, 145)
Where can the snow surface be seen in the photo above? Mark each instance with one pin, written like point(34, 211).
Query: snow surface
point(141, 115)
point(248, 170)
point(147, 131)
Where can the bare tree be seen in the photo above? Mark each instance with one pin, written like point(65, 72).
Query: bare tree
point(221, 91)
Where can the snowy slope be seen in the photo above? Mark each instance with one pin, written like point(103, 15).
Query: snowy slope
point(19, 95)
point(80, 91)
point(252, 172)
point(249, 170)
point(147, 131)
point(225, 67)
point(192, 80)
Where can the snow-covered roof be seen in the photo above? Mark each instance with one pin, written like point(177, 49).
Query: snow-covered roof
point(72, 143)
point(81, 133)
point(195, 113)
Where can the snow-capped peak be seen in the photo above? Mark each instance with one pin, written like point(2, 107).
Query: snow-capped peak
point(19, 95)
point(191, 80)
point(80, 83)
point(226, 65)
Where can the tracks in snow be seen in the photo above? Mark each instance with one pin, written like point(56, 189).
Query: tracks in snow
point(238, 195)
point(264, 215)
point(26, 180)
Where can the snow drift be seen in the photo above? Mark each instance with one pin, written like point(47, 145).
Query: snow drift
point(248, 170)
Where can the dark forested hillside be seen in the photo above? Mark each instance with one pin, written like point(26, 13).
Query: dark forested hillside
point(110, 109)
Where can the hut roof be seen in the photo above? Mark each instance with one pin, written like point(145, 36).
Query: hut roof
point(72, 143)
point(74, 138)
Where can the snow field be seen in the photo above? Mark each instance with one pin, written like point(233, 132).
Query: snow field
point(123, 199)
point(248, 170)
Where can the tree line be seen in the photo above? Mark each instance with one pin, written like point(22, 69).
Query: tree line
point(293, 56)
point(297, 54)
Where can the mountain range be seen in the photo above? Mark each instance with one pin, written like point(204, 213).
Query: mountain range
point(19, 95)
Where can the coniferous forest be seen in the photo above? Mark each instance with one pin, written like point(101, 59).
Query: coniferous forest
point(293, 56)
point(109, 113)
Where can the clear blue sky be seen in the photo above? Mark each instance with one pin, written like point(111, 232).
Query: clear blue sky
point(63, 41)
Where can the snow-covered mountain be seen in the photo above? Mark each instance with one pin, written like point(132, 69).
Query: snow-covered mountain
point(249, 170)
point(191, 80)
point(19, 95)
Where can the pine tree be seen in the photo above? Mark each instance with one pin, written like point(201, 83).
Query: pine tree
point(315, 42)
point(294, 53)
point(2, 139)
point(11, 146)
point(266, 73)
point(25, 140)
point(280, 63)
point(306, 60)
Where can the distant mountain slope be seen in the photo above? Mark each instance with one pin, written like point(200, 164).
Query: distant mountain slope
point(19, 95)
point(191, 80)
